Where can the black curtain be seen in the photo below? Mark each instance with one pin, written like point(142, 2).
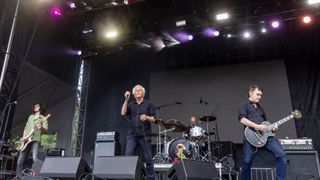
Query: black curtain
point(303, 65)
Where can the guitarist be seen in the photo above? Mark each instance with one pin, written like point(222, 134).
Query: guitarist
point(38, 124)
point(251, 114)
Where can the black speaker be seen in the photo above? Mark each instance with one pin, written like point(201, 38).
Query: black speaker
point(302, 165)
point(119, 167)
point(192, 170)
point(64, 167)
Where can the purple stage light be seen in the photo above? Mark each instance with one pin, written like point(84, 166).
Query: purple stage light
point(182, 36)
point(210, 32)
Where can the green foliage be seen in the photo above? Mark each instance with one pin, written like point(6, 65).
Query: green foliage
point(49, 140)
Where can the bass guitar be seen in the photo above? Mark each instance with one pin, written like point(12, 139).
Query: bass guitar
point(258, 138)
point(27, 139)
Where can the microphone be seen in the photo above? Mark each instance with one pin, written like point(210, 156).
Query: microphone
point(200, 100)
point(178, 102)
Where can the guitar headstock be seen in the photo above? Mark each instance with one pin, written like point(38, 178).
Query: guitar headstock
point(296, 114)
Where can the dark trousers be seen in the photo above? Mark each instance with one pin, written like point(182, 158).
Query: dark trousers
point(272, 145)
point(34, 148)
point(144, 143)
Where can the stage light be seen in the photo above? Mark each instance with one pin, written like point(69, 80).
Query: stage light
point(222, 16)
point(247, 35)
point(263, 30)
point(79, 52)
point(275, 24)
point(111, 34)
point(306, 19)
point(229, 35)
point(72, 5)
point(181, 23)
point(56, 11)
point(182, 36)
point(313, 1)
point(210, 32)
point(216, 33)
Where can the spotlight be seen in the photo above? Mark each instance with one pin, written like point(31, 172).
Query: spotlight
point(275, 24)
point(79, 52)
point(263, 30)
point(222, 16)
point(111, 34)
point(181, 23)
point(247, 35)
point(72, 5)
point(216, 33)
point(56, 11)
point(306, 19)
point(190, 37)
point(313, 1)
point(229, 35)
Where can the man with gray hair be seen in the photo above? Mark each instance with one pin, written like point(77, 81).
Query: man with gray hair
point(141, 113)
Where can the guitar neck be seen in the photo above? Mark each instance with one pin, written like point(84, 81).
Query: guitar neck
point(284, 120)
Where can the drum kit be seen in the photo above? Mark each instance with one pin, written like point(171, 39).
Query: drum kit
point(195, 146)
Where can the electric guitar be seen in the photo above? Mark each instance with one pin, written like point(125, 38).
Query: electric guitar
point(258, 138)
point(27, 138)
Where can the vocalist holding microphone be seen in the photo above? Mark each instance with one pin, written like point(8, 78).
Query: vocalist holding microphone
point(141, 113)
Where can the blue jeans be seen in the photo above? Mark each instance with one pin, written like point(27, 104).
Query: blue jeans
point(34, 147)
point(144, 144)
point(249, 152)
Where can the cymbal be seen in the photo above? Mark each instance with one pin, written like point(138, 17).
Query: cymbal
point(210, 133)
point(208, 118)
point(173, 123)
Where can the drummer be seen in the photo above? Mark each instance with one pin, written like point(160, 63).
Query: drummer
point(187, 133)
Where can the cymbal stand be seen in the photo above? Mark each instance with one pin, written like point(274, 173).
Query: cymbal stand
point(208, 155)
point(161, 157)
point(217, 144)
point(158, 158)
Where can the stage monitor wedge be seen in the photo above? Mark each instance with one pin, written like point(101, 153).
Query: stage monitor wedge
point(193, 170)
point(119, 167)
point(64, 167)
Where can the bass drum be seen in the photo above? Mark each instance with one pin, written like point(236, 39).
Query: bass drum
point(179, 148)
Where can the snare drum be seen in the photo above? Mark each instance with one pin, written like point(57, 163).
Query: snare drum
point(196, 133)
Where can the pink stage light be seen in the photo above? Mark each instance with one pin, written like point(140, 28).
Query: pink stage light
point(275, 24)
point(56, 11)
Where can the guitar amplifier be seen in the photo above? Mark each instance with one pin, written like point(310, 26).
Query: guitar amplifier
point(107, 136)
point(297, 144)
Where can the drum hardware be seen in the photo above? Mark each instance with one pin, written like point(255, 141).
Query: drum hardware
point(171, 125)
point(160, 157)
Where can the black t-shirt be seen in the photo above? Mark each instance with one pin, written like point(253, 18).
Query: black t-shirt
point(255, 114)
point(134, 111)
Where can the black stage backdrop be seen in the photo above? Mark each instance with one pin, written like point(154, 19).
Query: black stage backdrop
point(112, 75)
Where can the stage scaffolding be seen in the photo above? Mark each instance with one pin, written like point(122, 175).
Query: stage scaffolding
point(80, 109)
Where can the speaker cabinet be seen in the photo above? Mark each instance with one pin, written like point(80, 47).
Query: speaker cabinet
point(64, 167)
point(192, 170)
point(302, 165)
point(119, 167)
point(106, 149)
